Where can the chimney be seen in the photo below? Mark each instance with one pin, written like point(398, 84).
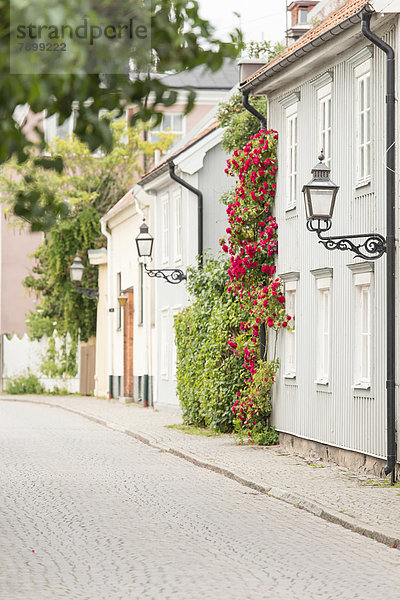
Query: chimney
point(299, 19)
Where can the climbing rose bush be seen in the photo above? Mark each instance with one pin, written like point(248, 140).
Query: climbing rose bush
point(252, 244)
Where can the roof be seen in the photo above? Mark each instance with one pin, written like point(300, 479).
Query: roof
point(312, 39)
point(124, 201)
point(128, 198)
point(163, 166)
point(202, 78)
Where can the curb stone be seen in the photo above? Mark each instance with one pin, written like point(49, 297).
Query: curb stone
point(300, 502)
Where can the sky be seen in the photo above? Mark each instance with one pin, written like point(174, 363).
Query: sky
point(259, 19)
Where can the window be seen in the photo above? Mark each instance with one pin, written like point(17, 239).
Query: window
point(290, 336)
point(325, 122)
point(323, 335)
point(178, 225)
point(363, 123)
point(119, 290)
point(303, 15)
point(172, 123)
point(323, 325)
point(165, 228)
point(291, 145)
point(362, 327)
point(52, 129)
point(164, 343)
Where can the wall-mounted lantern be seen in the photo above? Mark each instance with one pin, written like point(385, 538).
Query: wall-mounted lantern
point(122, 300)
point(76, 273)
point(319, 199)
point(144, 243)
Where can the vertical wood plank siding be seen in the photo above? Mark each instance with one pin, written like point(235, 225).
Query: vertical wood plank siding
point(335, 413)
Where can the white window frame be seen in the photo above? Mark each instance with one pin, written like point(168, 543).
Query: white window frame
point(164, 322)
point(362, 349)
point(119, 307)
point(163, 128)
point(324, 95)
point(323, 281)
point(302, 11)
point(177, 199)
point(51, 127)
point(291, 156)
point(165, 229)
point(363, 136)
point(290, 335)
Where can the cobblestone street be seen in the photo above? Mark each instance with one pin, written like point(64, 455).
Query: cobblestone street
point(91, 513)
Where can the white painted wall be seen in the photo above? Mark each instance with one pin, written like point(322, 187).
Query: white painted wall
point(335, 413)
point(22, 354)
point(124, 227)
point(202, 166)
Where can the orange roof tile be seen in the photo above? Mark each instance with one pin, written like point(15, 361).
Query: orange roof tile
point(349, 9)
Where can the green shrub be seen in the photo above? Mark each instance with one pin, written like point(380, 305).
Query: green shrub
point(25, 384)
point(208, 373)
point(57, 391)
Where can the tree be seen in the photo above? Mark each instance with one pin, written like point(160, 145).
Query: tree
point(238, 123)
point(91, 184)
point(180, 39)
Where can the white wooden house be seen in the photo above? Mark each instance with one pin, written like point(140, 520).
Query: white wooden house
point(327, 91)
point(200, 163)
point(137, 341)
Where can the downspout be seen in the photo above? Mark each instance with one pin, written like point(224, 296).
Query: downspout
point(390, 241)
point(105, 231)
point(253, 111)
point(199, 195)
point(263, 123)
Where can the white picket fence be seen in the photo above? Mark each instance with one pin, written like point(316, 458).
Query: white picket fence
point(20, 355)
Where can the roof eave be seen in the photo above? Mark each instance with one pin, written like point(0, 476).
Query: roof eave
point(326, 36)
point(165, 165)
point(154, 174)
point(115, 210)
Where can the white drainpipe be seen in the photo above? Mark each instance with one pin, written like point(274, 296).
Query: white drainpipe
point(146, 312)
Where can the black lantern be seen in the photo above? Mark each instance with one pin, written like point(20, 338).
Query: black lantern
point(144, 241)
point(76, 273)
point(320, 193)
point(319, 198)
point(76, 270)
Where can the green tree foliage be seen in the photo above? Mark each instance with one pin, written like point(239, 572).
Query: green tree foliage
point(208, 374)
point(90, 184)
point(180, 39)
point(264, 49)
point(239, 124)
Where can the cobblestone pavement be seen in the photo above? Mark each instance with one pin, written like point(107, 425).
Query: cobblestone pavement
point(89, 513)
point(325, 489)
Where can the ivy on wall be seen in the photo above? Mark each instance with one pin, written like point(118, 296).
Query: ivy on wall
point(208, 373)
point(90, 184)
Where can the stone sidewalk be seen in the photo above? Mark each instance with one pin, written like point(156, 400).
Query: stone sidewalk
point(365, 505)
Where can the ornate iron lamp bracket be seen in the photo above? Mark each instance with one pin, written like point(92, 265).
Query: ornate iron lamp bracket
point(372, 247)
point(90, 293)
point(170, 275)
